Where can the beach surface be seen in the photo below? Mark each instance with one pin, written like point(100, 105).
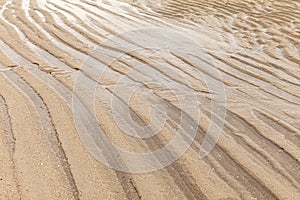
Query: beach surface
point(227, 69)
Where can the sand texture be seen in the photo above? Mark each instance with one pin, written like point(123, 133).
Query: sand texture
point(254, 45)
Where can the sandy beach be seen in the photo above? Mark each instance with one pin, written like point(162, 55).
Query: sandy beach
point(93, 93)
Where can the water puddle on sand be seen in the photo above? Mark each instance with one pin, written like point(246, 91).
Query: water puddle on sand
point(84, 16)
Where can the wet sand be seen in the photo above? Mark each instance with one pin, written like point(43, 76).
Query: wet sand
point(254, 45)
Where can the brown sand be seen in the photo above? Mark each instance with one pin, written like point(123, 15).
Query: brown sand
point(256, 46)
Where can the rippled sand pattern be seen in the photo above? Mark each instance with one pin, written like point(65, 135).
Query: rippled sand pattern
point(255, 44)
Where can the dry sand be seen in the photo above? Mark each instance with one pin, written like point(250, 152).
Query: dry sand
point(255, 44)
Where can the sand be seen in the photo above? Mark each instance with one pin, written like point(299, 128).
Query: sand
point(45, 46)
